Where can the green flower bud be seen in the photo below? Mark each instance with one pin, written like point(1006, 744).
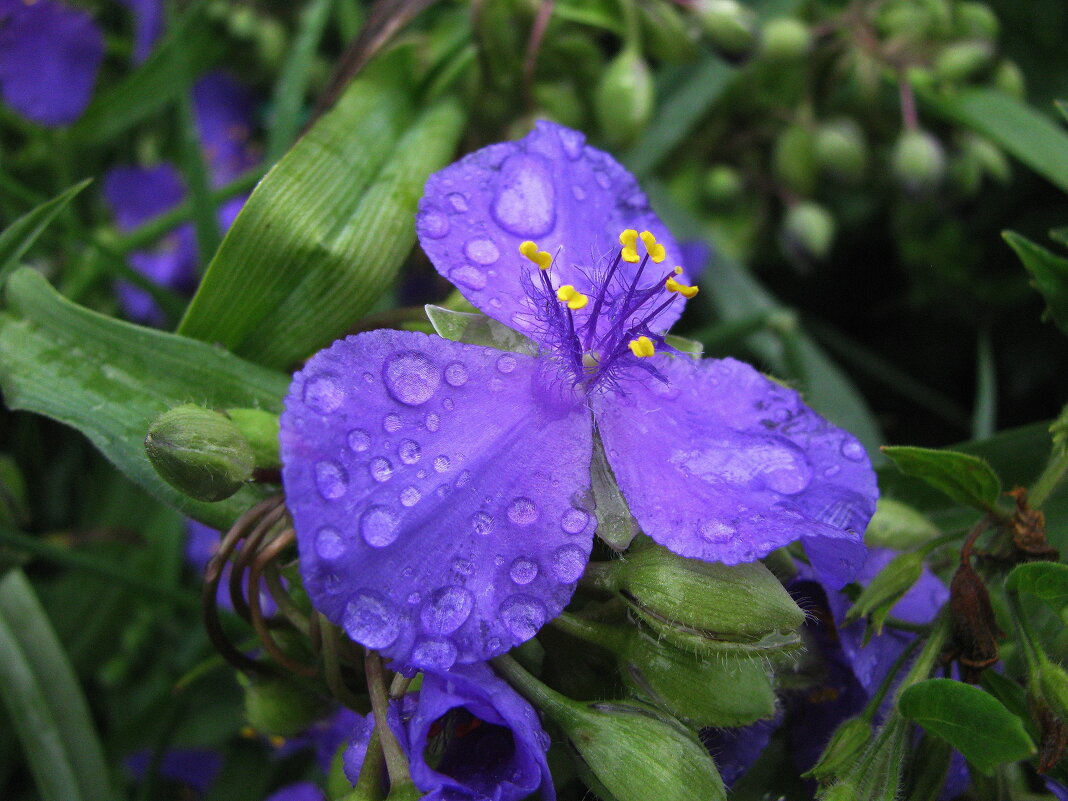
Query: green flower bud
point(242, 22)
point(794, 159)
point(961, 61)
point(704, 607)
point(988, 156)
point(886, 589)
point(260, 430)
point(1009, 78)
point(899, 526)
point(785, 39)
point(729, 26)
point(271, 42)
point(280, 707)
point(200, 452)
point(723, 183)
point(841, 149)
point(918, 160)
point(665, 33)
point(976, 20)
point(560, 102)
point(841, 752)
point(1052, 687)
point(905, 20)
point(808, 230)
point(624, 97)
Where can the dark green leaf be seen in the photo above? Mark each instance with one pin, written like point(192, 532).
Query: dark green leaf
point(18, 237)
point(1045, 580)
point(1049, 275)
point(110, 379)
point(969, 719)
point(46, 703)
point(966, 479)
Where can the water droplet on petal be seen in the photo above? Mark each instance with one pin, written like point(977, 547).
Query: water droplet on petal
point(323, 393)
point(371, 620)
point(852, 450)
point(331, 480)
point(432, 224)
point(411, 377)
point(523, 616)
point(378, 526)
point(482, 523)
point(832, 471)
point(329, 543)
point(359, 440)
point(410, 496)
point(572, 141)
point(522, 511)
point(458, 202)
point(482, 251)
point(391, 422)
point(442, 490)
point(455, 374)
point(716, 532)
point(602, 179)
point(568, 563)
point(468, 276)
point(523, 570)
point(578, 192)
point(431, 421)
point(414, 598)
point(463, 478)
point(409, 451)
point(435, 653)
point(506, 364)
point(442, 463)
point(448, 404)
point(463, 566)
point(446, 610)
point(381, 469)
point(574, 521)
point(525, 202)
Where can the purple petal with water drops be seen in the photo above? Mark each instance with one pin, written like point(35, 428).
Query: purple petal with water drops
point(49, 57)
point(435, 488)
point(148, 25)
point(719, 463)
point(549, 187)
point(225, 111)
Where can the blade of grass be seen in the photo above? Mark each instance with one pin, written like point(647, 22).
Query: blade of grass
point(984, 416)
point(19, 237)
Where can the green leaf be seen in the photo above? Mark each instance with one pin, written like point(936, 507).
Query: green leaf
point(1049, 275)
point(691, 347)
point(45, 703)
point(972, 721)
point(477, 329)
point(328, 227)
point(110, 379)
point(18, 237)
point(1047, 581)
point(966, 479)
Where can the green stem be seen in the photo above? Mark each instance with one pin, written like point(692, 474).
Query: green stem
point(925, 662)
point(369, 785)
point(600, 576)
point(1053, 473)
point(609, 637)
point(396, 761)
point(1032, 649)
point(545, 698)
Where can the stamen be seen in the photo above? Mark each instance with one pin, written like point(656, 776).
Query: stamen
point(674, 286)
point(629, 240)
point(642, 347)
point(574, 299)
point(656, 251)
point(542, 258)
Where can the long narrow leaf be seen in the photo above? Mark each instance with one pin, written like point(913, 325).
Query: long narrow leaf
point(18, 237)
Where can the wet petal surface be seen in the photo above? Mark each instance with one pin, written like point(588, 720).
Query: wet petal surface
point(435, 490)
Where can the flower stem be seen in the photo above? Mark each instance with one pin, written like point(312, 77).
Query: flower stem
point(543, 697)
point(608, 637)
point(396, 761)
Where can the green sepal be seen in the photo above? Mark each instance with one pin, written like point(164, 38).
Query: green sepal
point(691, 347)
point(616, 526)
point(1052, 687)
point(477, 329)
point(841, 752)
point(886, 589)
point(260, 429)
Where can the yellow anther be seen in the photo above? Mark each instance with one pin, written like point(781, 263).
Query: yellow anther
point(277, 741)
point(248, 732)
point(540, 257)
point(678, 271)
point(574, 299)
point(629, 240)
point(656, 250)
point(642, 347)
point(674, 286)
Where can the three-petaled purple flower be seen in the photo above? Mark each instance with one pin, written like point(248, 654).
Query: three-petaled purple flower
point(440, 490)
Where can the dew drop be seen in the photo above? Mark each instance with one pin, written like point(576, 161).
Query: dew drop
point(852, 450)
point(463, 478)
point(323, 394)
point(574, 521)
point(716, 532)
point(455, 374)
point(602, 179)
point(329, 543)
point(496, 385)
point(569, 561)
point(572, 141)
point(522, 511)
point(381, 469)
point(414, 598)
point(431, 421)
point(482, 523)
point(442, 463)
point(391, 422)
point(832, 471)
point(493, 647)
point(371, 620)
point(421, 474)
point(448, 404)
point(578, 192)
point(436, 653)
point(446, 610)
point(523, 616)
point(411, 377)
point(409, 451)
point(433, 224)
point(359, 440)
point(482, 251)
point(468, 276)
point(463, 567)
point(410, 496)
point(331, 480)
point(523, 570)
point(458, 202)
point(370, 379)
point(506, 364)
point(525, 202)
point(442, 490)
point(378, 526)
point(496, 303)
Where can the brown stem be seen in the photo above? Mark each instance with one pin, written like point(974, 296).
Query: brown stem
point(259, 623)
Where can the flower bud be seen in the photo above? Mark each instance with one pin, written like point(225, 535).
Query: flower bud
point(200, 452)
point(973, 625)
point(665, 32)
point(918, 160)
point(988, 156)
point(808, 230)
point(905, 20)
point(624, 98)
point(784, 39)
point(961, 61)
point(841, 149)
point(976, 20)
point(723, 183)
point(794, 159)
point(1052, 686)
point(886, 589)
point(841, 752)
point(1009, 78)
point(280, 707)
point(260, 430)
point(706, 607)
point(729, 26)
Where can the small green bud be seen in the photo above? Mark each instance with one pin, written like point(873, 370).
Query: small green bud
point(976, 20)
point(785, 39)
point(841, 752)
point(906, 20)
point(260, 430)
point(280, 707)
point(665, 33)
point(1009, 78)
point(730, 27)
point(200, 452)
point(886, 589)
point(794, 159)
point(920, 77)
point(808, 230)
point(723, 183)
point(899, 526)
point(1052, 686)
point(624, 98)
point(242, 22)
point(988, 156)
point(918, 160)
point(271, 42)
point(841, 149)
point(962, 61)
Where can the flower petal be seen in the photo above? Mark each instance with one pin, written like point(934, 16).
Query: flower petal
point(225, 111)
point(148, 26)
point(719, 463)
point(551, 188)
point(49, 57)
point(434, 487)
point(137, 194)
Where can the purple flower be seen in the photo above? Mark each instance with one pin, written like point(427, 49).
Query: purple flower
point(439, 489)
point(49, 57)
point(301, 791)
point(196, 768)
point(468, 735)
point(148, 25)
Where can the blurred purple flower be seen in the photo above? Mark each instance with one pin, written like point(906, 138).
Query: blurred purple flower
point(301, 791)
point(437, 488)
point(49, 57)
point(324, 736)
point(148, 25)
point(201, 544)
point(195, 768)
